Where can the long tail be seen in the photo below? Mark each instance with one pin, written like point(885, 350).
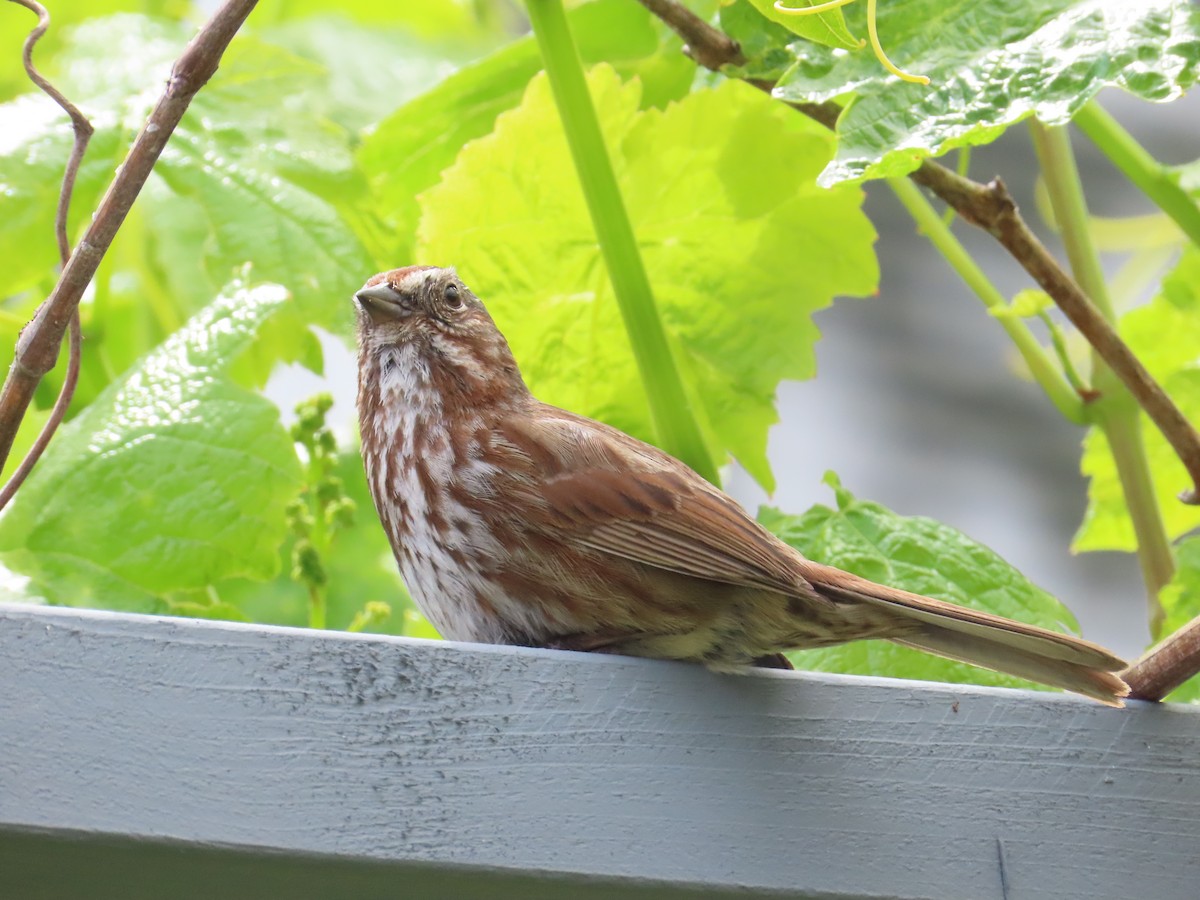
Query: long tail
point(983, 639)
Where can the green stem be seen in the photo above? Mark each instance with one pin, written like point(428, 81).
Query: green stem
point(1059, 342)
point(316, 607)
point(1051, 379)
point(319, 537)
point(1151, 177)
point(1116, 412)
point(161, 304)
point(674, 421)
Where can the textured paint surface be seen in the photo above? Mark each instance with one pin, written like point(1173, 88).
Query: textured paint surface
point(392, 750)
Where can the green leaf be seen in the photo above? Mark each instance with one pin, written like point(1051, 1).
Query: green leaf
point(35, 141)
point(173, 478)
point(368, 70)
point(1181, 602)
point(991, 63)
point(271, 185)
point(1030, 302)
point(1165, 335)
point(409, 150)
point(31, 427)
point(827, 28)
point(739, 243)
point(765, 45)
point(919, 555)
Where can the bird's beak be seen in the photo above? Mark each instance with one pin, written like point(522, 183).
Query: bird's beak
point(380, 302)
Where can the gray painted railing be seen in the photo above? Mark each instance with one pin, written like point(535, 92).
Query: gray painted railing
point(166, 758)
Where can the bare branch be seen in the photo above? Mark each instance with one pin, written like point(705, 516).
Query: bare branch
point(708, 46)
point(37, 348)
point(83, 133)
point(1167, 665)
point(990, 207)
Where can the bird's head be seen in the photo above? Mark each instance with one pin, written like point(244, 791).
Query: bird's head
point(421, 327)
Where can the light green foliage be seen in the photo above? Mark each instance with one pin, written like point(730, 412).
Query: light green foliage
point(459, 19)
point(991, 63)
point(1027, 304)
point(321, 512)
point(16, 23)
point(255, 174)
point(918, 555)
point(35, 140)
point(243, 185)
point(174, 478)
point(1165, 334)
point(407, 152)
point(360, 572)
point(739, 244)
point(1181, 602)
point(366, 71)
point(370, 617)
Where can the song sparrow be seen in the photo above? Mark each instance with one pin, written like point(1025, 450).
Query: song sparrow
point(515, 522)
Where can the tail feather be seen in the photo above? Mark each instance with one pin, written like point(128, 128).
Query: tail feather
point(982, 639)
point(982, 650)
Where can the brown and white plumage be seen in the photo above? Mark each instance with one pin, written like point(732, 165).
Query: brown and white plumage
point(516, 522)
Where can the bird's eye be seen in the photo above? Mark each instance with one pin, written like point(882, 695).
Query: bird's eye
point(453, 297)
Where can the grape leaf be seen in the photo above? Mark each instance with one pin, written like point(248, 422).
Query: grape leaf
point(765, 45)
point(919, 555)
point(827, 28)
point(739, 243)
point(1181, 602)
point(173, 478)
point(408, 151)
point(991, 63)
point(1165, 335)
point(35, 141)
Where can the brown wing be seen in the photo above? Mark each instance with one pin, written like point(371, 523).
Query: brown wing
point(617, 495)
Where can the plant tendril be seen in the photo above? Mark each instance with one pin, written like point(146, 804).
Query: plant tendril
point(872, 32)
point(811, 10)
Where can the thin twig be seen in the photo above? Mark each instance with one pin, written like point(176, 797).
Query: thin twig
point(37, 347)
point(83, 133)
point(710, 47)
point(990, 207)
point(1167, 665)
